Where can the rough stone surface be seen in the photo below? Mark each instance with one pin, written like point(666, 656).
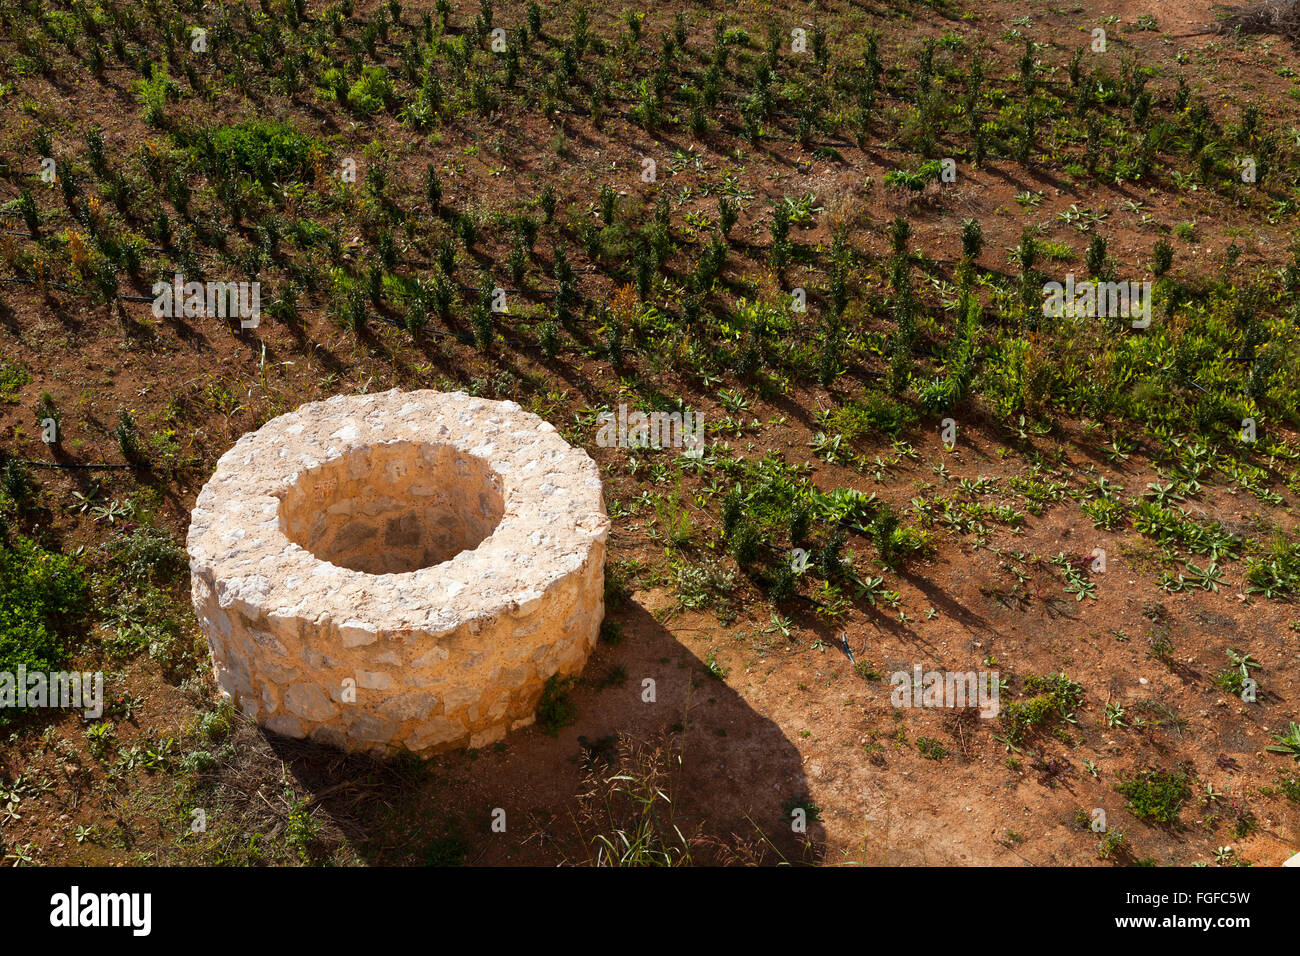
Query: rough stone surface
point(402, 570)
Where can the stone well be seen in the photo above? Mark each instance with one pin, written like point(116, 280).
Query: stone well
point(402, 570)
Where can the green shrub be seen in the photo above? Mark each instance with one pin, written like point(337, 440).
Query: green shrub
point(16, 485)
point(1114, 845)
point(733, 510)
point(745, 544)
point(867, 671)
point(266, 151)
point(12, 379)
point(153, 93)
point(1105, 513)
point(197, 761)
point(556, 709)
point(128, 438)
point(42, 595)
point(784, 585)
point(1155, 795)
point(1055, 696)
point(216, 725)
point(1231, 681)
point(930, 748)
point(972, 238)
point(1025, 716)
point(917, 180)
point(801, 802)
point(371, 91)
point(875, 412)
point(611, 632)
point(882, 528)
point(147, 554)
point(1289, 786)
point(1162, 257)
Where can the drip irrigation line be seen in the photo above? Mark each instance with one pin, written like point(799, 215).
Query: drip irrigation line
point(418, 263)
point(86, 292)
point(470, 339)
point(57, 464)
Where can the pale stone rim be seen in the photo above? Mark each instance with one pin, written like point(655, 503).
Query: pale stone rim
point(553, 516)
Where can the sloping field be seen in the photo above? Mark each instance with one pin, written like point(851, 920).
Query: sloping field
point(988, 311)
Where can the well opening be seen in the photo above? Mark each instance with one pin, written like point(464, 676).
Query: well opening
point(394, 507)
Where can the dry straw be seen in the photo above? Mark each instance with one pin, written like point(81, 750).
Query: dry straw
point(1271, 16)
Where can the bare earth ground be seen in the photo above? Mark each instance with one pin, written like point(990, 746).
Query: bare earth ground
point(760, 702)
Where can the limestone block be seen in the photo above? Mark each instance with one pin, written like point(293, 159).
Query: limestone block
point(398, 571)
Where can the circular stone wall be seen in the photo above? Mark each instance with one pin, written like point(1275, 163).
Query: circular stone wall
point(402, 570)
